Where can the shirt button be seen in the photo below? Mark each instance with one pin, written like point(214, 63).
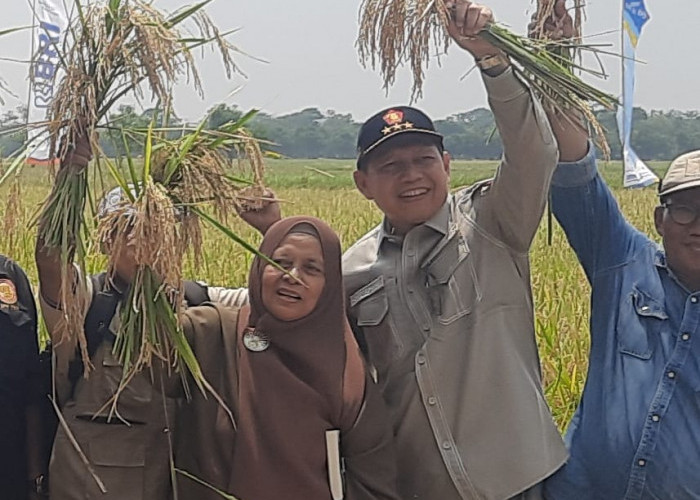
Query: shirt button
point(655, 418)
point(641, 462)
point(432, 401)
point(447, 445)
point(645, 309)
point(410, 290)
point(421, 359)
point(671, 374)
point(685, 336)
point(426, 328)
point(694, 300)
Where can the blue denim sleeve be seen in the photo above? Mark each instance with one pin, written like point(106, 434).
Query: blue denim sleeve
point(590, 216)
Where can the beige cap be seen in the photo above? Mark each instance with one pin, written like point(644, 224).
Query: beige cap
point(684, 173)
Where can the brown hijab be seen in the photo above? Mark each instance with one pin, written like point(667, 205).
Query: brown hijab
point(309, 380)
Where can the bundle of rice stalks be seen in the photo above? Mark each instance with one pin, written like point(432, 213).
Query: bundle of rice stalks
point(393, 32)
point(565, 44)
point(181, 182)
point(113, 49)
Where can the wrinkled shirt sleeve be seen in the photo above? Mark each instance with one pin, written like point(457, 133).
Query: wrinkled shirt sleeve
point(518, 194)
point(591, 217)
point(230, 297)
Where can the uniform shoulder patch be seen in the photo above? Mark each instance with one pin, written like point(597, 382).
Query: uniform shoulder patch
point(8, 292)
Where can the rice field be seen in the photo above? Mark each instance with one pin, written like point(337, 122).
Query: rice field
point(324, 188)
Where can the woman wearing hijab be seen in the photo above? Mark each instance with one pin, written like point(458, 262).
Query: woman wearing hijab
point(302, 420)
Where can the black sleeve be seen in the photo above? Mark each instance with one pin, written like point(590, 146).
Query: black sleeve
point(22, 317)
point(195, 293)
point(34, 371)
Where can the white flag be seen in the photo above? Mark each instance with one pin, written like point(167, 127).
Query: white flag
point(634, 16)
point(51, 22)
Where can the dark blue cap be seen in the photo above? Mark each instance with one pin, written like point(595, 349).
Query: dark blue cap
point(390, 123)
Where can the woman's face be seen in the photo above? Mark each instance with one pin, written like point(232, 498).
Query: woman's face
point(284, 297)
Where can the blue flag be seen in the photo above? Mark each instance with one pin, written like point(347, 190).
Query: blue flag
point(634, 17)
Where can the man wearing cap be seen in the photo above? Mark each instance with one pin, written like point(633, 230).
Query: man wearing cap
point(439, 293)
point(635, 434)
point(128, 451)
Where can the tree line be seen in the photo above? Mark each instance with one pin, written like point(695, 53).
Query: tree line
point(312, 133)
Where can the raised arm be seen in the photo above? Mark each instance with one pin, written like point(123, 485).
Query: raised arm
point(518, 194)
point(585, 207)
point(516, 199)
point(48, 259)
point(52, 274)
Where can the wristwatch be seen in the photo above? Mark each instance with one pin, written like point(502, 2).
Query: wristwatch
point(492, 61)
point(39, 485)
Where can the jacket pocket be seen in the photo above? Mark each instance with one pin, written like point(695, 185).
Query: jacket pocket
point(107, 453)
point(121, 465)
point(451, 281)
point(370, 307)
point(640, 316)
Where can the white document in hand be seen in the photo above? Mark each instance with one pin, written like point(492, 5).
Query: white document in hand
point(335, 469)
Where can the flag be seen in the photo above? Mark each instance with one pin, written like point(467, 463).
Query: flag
point(51, 21)
point(634, 17)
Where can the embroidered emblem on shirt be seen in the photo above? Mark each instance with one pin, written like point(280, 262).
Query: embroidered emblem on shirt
point(8, 292)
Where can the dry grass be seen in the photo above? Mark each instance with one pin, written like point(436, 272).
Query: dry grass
point(560, 289)
point(397, 32)
point(127, 47)
point(116, 48)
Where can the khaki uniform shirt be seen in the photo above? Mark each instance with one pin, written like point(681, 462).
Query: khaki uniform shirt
point(446, 315)
point(128, 450)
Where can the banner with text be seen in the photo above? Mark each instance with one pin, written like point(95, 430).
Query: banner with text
point(51, 21)
point(634, 17)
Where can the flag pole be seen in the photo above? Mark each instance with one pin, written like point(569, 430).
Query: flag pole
point(623, 139)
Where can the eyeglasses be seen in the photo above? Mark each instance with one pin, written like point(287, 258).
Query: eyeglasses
point(682, 214)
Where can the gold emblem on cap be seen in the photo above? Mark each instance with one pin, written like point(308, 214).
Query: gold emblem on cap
point(397, 128)
point(8, 292)
point(392, 117)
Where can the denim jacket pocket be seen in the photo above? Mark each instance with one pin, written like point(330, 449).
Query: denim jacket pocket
point(451, 281)
point(370, 307)
point(639, 316)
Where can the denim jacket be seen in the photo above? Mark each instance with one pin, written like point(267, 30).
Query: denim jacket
point(636, 432)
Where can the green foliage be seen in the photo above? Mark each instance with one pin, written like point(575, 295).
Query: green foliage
point(311, 133)
point(559, 286)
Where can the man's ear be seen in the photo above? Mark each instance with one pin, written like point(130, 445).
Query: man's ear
point(446, 158)
point(659, 220)
point(362, 182)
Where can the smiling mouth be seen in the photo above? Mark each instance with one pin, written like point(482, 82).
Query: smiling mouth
point(413, 193)
point(288, 295)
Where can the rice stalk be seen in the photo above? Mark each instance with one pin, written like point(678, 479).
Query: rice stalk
point(112, 49)
point(568, 53)
point(12, 216)
point(394, 32)
point(156, 224)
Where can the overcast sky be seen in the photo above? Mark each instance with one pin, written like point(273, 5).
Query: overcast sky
point(309, 46)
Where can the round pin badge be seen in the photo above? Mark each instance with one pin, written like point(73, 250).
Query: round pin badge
point(8, 292)
point(255, 342)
